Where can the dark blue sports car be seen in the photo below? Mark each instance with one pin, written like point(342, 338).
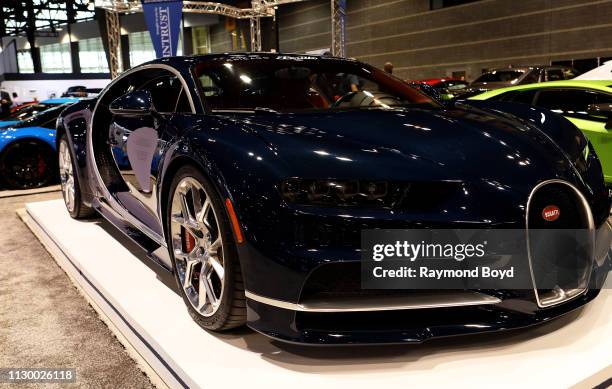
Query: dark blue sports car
point(251, 176)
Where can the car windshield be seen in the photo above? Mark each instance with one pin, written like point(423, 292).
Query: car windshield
point(456, 85)
point(501, 76)
point(291, 84)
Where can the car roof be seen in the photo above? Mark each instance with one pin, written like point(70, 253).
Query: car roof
point(518, 68)
point(439, 80)
point(603, 85)
point(530, 67)
point(184, 60)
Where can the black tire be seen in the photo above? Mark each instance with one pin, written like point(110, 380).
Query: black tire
point(231, 312)
point(80, 210)
point(27, 164)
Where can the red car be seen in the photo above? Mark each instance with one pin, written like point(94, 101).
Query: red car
point(22, 105)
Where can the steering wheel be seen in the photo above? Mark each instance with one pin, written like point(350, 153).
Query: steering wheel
point(344, 98)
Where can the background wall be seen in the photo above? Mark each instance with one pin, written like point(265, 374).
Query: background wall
point(423, 43)
point(305, 26)
point(420, 42)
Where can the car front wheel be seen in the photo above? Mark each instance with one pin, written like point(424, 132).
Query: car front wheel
point(205, 261)
point(69, 181)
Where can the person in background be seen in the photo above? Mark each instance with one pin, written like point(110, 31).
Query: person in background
point(16, 100)
point(5, 104)
point(349, 83)
point(388, 67)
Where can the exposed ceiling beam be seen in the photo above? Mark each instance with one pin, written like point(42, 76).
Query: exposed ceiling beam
point(260, 8)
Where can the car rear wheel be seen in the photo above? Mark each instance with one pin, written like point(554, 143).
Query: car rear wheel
point(205, 261)
point(27, 164)
point(71, 191)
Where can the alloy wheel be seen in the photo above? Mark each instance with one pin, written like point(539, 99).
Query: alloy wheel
point(26, 165)
point(66, 175)
point(197, 246)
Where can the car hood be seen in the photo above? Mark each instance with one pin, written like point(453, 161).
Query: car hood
point(412, 144)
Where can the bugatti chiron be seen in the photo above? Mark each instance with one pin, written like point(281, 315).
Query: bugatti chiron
point(250, 176)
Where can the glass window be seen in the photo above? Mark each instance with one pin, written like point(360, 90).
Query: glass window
point(141, 48)
point(501, 76)
point(506, 96)
point(454, 85)
point(569, 73)
point(554, 75)
point(24, 61)
point(55, 58)
point(288, 85)
point(525, 96)
point(92, 56)
point(572, 102)
point(165, 92)
point(201, 40)
point(532, 77)
point(183, 105)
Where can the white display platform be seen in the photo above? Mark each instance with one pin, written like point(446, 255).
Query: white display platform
point(154, 325)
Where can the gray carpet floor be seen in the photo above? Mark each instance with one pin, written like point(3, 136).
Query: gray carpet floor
point(44, 321)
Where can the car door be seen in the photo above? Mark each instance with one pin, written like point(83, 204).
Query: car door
point(573, 104)
point(137, 143)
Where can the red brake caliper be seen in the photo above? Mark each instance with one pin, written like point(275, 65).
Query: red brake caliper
point(187, 240)
point(42, 166)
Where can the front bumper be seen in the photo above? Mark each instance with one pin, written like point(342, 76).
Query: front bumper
point(296, 321)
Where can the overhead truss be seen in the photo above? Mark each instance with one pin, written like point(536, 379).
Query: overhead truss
point(113, 28)
point(259, 9)
point(338, 18)
point(41, 17)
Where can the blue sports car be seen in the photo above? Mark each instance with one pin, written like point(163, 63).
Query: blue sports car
point(27, 145)
point(250, 177)
point(31, 109)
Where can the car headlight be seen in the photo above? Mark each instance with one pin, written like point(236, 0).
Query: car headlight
point(421, 195)
point(333, 192)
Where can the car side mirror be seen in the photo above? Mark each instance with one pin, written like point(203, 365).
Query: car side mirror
point(602, 110)
point(136, 103)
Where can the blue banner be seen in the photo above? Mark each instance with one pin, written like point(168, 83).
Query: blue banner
point(163, 19)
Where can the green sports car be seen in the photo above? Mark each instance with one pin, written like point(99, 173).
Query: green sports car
point(587, 104)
